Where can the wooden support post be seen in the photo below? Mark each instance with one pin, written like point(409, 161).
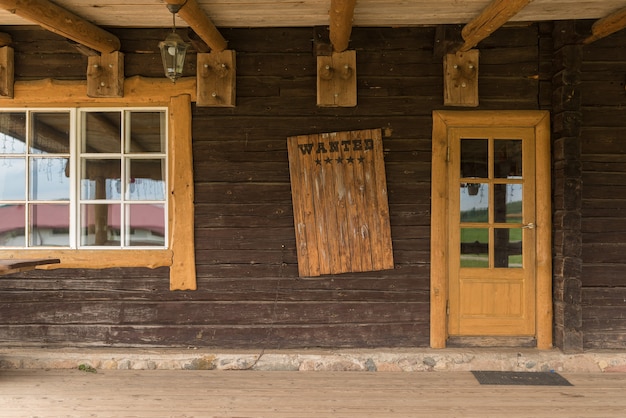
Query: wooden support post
point(62, 22)
point(461, 79)
point(216, 79)
point(341, 14)
point(607, 25)
point(6, 72)
point(105, 75)
point(336, 79)
point(496, 14)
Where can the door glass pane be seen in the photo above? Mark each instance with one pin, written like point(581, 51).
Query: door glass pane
point(103, 132)
point(50, 133)
point(507, 203)
point(49, 179)
point(100, 225)
point(474, 247)
point(12, 179)
point(100, 179)
point(474, 202)
point(507, 158)
point(146, 180)
point(474, 158)
point(49, 225)
point(508, 247)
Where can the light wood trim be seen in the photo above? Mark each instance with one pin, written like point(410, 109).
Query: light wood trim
point(496, 14)
point(181, 209)
point(94, 259)
point(439, 234)
point(607, 25)
point(63, 22)
point(341, 15)
point(195, 17)
point(138, 91)
point(543, 230)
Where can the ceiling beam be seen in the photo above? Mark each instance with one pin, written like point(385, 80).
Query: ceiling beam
point(341, 15)
point(496, 14)
point(63, 22)
point(607, 25)
point(195, 17)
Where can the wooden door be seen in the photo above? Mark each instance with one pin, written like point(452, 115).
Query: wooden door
point(491, 226)
point(492, 236)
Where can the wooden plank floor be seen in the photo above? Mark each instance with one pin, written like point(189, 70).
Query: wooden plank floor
point(186, 393)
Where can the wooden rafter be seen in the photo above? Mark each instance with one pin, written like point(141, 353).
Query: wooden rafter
point(607, 25)
point(195, 17)
point(341, 14)
point(496, 14)
point(63, 22)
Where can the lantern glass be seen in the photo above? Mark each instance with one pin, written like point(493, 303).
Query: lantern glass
point(173, 50)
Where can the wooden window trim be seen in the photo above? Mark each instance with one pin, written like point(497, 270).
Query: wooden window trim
point(180, 256)
point(442, 121)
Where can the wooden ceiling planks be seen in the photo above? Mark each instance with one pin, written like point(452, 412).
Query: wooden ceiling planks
point(308, 13)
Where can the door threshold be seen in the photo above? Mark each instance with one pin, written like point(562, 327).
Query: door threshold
point(504, 342)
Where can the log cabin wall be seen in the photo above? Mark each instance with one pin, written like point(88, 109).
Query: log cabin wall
point(249, 294)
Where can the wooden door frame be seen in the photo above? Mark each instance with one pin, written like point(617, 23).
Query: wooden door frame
point(539, 120)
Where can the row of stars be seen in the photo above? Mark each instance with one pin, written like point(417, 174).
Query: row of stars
point(340, 160)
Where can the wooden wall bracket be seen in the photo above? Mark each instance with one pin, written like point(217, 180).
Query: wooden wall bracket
point(461, 79)
point(336, 79)
point(217, 79)
point(6, 72)
point(105, 75)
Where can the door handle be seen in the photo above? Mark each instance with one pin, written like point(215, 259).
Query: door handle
point(528, 226)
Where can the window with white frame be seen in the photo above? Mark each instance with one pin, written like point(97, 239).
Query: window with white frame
point(83, 178)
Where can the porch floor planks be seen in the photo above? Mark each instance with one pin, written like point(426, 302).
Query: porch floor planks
point(187, 393)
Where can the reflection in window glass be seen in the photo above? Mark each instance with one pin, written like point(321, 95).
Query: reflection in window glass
point(145, 225)
point(474, 247)
point(474, 158)
point(507, 158)
point(12, 179)
point(49, 225)
point(13, 133)
point(103, 132)
point(50, 133)
point(147, 132)
point(508, 247)
point(49, 179)
point(508, 203)
point(100, 225)
point(474, 202)
point(13, 226)
point(146, 180)
point(100, 179)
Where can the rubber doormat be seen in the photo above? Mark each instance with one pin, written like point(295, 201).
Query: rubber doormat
point(520, 378)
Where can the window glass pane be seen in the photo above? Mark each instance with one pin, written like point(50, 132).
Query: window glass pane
point(474, 202)
point(508, 203)
point(12, 178)
point(12, 133)
point(100, 179)
point(474, 247)
point(507, 161)
point(50, 133)
point(474, 158)
point(49, 225)
point(147, 132)
point(100, 225)
point(103, 132)
point(49, 179)
point(146, 180)
point(145, 225)
point(508, 247)
point(13, 226)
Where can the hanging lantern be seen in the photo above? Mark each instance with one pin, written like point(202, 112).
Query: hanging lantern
point(173, 50)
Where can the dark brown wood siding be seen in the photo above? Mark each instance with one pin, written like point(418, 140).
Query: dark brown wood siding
point(603, 155)
point(249, 294)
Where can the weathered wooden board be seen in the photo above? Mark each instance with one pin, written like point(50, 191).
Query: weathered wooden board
point(341, 213)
